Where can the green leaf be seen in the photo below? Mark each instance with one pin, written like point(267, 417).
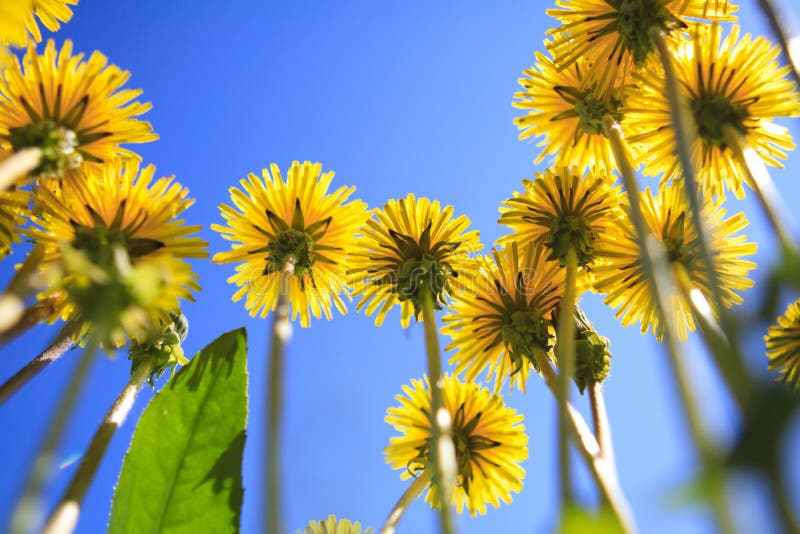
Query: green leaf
point(183, 471)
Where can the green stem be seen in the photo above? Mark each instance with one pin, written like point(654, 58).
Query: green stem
point(768, 7)
point(30, 317)
point(414, 490)
point(565, 352)
point(762, 184)
point(776, 479)
point(660, 277)
point(65, 517)
point(30, 506)
point(60, 346)
point(281, 333)
point(604, 473)
point(443, 449)
point(602, 428)
point(732, 364)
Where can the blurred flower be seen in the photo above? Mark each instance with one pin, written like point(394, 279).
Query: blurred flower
point(12, 27)
point(567, 112)
point(115, 250)
point(297, 221)
point(13, 205)
point(613, 35)
point(739, 85)
point(783, 346)
point(334, 526)
point(489, 439)
point(561, 210)
point(503, 320)
point(74, 110)
point(621, 275)
point(410, 242)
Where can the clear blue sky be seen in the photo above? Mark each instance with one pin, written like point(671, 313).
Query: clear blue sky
point(396, 97)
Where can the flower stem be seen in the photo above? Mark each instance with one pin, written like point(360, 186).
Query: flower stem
point(731, 365)
point(65, 517)
point(768, 7)
point(776, 477)
point(565, 352)
point(660, 276)
point(30, 506)
point(763, 185)
point(414, 490)
point(281, 334)
point(61, 345)
point(30, 317)
point(604, 473)
point(443, 449)
point(602, 428)
point(19, 163)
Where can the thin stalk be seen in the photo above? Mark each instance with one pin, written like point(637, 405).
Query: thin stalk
point(12, 301)
point(414, 490)
point(443, 450)
point(602, 428)
point(30, 507)
point(61, 345)
point(768, 7)
point(660, 276)
point(763, 185)
point(19, 163)
point(65, 517)
point(779, 488)
point(732, 365)
point(565, 352)
point(281, 334)
point(30, 317)
point(604, 474)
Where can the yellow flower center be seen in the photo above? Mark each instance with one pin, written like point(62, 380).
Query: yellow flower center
point(634, 20)
point(713, 112)
point(59, 146)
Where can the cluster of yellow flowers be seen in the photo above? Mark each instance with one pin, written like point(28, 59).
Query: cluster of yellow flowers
point(113, 249)
point(602, 74)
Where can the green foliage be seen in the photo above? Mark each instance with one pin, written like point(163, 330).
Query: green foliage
point(577, 520)
point(182, 472)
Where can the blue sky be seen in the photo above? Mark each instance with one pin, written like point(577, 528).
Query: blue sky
point(395, 97)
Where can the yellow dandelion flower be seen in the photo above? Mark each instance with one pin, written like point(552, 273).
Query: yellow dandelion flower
point(51, 13)
point(75, 111)
point(613, 35)
point(12, 27)
point(489, 439)
point(728, 83)
point(334, 526)
point(406, 244)
point(274, 221)
point(622, 278)
point(562, 209)
point(507, 317)
point(567, 111)
point(13, 205)
point(783, 346)
point(115, 240)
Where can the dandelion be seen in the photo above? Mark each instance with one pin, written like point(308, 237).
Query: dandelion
point(12, 27)
point(407, 243)
point(489, 439)
point(622, 277)
point(273, 222)
point(335, 526)
point(13, 205)
point(507, 318)
point(116, 251)
point(562, 210)
point(728, 83)
point(783, 346)
point(567, 111)
point(75, 111)
point(614, 35)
